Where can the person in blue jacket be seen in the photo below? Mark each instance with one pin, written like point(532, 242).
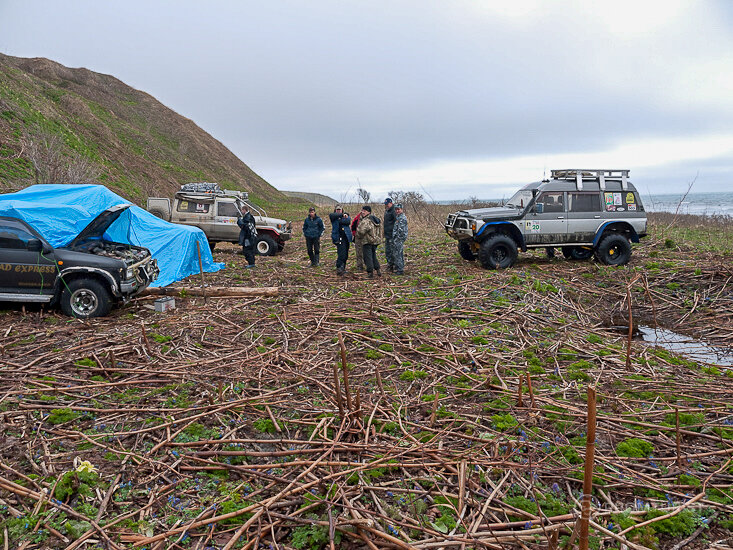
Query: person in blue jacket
point(312, 231)
point(341, 237)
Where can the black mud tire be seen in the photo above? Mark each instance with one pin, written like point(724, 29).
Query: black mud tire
point(550, 252)
point(212, 245)
point(85, 298)
point(464, 249)
point(159, 214)
point(266, 246)
point(613, 249)
point(577, 252)
point(498, 252)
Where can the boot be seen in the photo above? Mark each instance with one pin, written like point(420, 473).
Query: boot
point(370, 275)
point(318, 260)
point(379, 272)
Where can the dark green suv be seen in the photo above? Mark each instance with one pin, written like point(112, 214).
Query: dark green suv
point(85, 277)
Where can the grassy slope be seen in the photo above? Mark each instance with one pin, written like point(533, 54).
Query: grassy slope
point(142, 147)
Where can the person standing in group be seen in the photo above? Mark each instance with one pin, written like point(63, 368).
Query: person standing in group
point(389, 219)
point(369, 234)
point(312, 230)
point(341, 237)
point(399, 236)
point(357, 242)
point(247, 236)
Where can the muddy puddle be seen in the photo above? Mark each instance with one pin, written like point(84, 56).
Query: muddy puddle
point(695, 350)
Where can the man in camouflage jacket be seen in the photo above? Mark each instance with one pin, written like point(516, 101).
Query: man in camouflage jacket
point(369, 234)
point(399, 236)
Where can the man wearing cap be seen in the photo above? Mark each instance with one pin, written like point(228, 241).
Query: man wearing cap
point(399, 236)
point(312, 231)
point(369, 234)
point(389, 219)
point(341, 237)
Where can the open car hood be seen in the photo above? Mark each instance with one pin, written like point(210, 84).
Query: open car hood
point(99, 225)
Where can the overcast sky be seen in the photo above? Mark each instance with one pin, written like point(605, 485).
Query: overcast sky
point(453, 98)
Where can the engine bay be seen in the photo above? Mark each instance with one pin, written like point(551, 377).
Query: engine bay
point(128, 253)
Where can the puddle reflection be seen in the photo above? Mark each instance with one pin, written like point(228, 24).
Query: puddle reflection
point(696, 350)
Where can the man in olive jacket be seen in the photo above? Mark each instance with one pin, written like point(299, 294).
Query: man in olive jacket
point(312, 231)
point(369, 234)
point(389, 219)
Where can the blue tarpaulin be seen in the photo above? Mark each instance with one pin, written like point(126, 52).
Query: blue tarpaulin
point(60, 212)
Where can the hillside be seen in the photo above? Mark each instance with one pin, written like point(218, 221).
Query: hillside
point(111, 133)
point(315, 198)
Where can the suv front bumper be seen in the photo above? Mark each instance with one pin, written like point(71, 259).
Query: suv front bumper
point(459, 228)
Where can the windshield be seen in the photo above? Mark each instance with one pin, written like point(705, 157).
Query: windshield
point(520, 199)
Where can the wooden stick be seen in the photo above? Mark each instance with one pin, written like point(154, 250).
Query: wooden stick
point(588, 478)
point(345, 368)
point(531, 391)
point(337, 388)
point(145, 339)
point(678, 436)
point(214, 291)
point(201, 269)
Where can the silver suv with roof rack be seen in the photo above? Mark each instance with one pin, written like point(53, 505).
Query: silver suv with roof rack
point(583, 212)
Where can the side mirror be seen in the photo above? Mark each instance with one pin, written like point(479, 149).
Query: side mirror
point(34, 245)
point(539, 207)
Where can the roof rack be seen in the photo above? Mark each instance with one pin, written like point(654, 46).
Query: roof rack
point(592, 175)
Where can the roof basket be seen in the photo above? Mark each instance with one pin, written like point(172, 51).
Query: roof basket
point(593, 175)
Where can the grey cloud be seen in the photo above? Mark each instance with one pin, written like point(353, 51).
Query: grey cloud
point(296, 88)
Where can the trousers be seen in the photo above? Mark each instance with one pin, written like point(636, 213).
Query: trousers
point(398, 256)
point(314, 249)
point(388, 252)
point(370, 257)
point(342, 254)
point(358, 249)
point(249, 254)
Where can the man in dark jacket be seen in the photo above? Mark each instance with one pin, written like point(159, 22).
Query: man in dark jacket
point(247, 236)
point(312, 230)
point(341, 237)
point(389, 219)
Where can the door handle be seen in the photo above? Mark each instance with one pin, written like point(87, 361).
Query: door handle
point(597, 217)
point(561, 217)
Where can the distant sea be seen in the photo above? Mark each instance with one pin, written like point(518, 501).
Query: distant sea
point(719, 204)
point(710, 204)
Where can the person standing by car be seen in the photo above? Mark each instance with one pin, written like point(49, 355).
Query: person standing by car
point(399, 236)
point(247, 236)
point(312, 230)
point(358, 244)
point(389, 219)
point(341, 236)
point(369, 234)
